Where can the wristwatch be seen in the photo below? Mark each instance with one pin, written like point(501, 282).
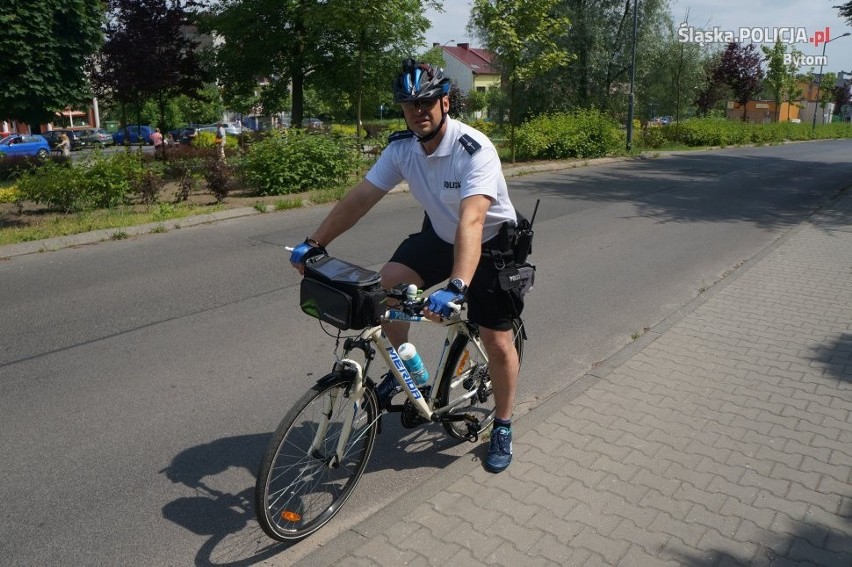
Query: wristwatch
point(457, 285)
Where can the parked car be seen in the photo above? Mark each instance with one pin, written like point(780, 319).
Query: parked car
point(96, 137)
point(52, 137)
point(74, 136)
point(312, 123)
point(134, 134)
point(24, 145)
point(233, 128)
point(185, 134)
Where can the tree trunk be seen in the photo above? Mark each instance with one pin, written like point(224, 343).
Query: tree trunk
point(360, 94)
point(512, 119)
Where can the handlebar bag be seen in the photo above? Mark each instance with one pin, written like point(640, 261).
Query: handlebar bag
point(341, 294)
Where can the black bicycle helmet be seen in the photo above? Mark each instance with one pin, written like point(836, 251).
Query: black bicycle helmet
point(419, 81)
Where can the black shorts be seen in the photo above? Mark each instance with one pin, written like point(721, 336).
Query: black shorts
point(432, 258)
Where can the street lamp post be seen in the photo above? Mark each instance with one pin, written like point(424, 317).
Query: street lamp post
point(819, 84)
point(630, 99)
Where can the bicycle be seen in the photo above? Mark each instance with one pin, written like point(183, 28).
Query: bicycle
point(319, 451)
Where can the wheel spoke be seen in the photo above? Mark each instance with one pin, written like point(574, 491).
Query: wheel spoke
point(298, 492)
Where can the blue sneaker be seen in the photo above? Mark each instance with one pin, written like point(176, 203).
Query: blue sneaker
point(500, 450)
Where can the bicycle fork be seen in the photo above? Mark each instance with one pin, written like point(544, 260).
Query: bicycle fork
point(356, 393)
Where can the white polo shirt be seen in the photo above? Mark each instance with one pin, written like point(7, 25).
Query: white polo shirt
point(457, 169)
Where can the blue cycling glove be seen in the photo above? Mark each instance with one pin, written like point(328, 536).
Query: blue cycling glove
point(439, 302)
point(304, 251)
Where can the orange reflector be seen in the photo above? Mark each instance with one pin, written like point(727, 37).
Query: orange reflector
point(290, 516)
point(463, 362)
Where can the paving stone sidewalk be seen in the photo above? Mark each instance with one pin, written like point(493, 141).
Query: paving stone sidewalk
point(722, 437)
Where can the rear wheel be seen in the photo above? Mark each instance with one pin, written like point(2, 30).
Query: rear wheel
point(301, 483)
point(466, 383)
point(42, 153)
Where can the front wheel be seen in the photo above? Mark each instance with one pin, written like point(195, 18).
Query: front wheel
point(466, 383)
point(303, 482)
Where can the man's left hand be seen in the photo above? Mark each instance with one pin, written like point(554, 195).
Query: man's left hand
point(444, 302)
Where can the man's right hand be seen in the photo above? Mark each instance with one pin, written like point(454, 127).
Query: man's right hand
point(302, 252)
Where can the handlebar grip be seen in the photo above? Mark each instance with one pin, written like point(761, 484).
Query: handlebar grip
point(454, 306)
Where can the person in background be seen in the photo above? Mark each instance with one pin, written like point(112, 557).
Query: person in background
point(220, 140)
point(157, 141)
point(64, 145)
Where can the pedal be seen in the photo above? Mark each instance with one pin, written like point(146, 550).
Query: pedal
point(473, 427)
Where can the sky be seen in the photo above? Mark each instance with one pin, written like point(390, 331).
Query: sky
point(726, 15)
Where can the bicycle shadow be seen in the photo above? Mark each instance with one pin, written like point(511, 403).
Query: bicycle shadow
point(227, 518)
point(223, 516)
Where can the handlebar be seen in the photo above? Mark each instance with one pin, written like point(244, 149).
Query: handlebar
point(411, 305)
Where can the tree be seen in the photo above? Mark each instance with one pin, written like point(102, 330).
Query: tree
point(477, 101)
point(673, 72)
point(601, 36)
point(147, 54)
point(372, 37)
point(845, 11)
point(777, 75)
point(740, 69)
point(344, 48)
point(521, 34)
point(714, 89)
point(43, 51)
point(792, 89)
point(826, 92)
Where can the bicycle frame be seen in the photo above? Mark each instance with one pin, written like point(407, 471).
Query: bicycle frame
point(374, 337)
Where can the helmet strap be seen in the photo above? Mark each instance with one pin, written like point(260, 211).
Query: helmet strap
point(433, 133)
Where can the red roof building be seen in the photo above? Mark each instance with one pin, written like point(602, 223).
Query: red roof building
point(471, 68)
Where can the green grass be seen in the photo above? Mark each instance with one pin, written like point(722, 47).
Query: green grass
point(286, 204)
point(328, 195)
point(66, 225)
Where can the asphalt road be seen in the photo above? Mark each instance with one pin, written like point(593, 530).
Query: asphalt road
point(140, 379)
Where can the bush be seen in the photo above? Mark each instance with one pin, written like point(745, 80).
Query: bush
point(487, 128)
point(208, 140)
point(375, 130)
point(344, 130)
point(186, 185)
point(580, 134)
point(724, 132)
point(149, 185)
point(296, 161)
point(11, 167)
point(98, 183)
point(218, 176)
point(9, 195)
point(109, 180)
point(53, 185)
point(653, 137)
point(180, 159)
point(710, 132)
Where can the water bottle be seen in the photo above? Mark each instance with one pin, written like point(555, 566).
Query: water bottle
point(413, 363)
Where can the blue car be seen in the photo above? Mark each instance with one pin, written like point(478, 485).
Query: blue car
point(134, 133)
point(25, 145)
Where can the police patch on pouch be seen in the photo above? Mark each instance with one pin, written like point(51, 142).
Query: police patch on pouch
point(469, 144)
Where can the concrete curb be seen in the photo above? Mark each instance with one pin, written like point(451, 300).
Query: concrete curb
point(53, 244)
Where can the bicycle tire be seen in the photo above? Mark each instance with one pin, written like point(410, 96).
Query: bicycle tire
point(298, 492)
point(466, 373)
